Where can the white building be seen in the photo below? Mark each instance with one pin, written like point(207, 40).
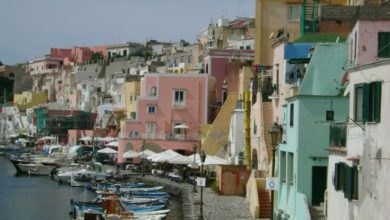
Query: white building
point(236, 137)
point(358, 171)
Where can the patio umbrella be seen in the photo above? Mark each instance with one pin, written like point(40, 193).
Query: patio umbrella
point(180, 159)
point(210, 160)
point(130, 154)
point(107, 150)
point(86, 138)
point(164, 156)
point(113, 144)
point(147, 152)
point(46, 138)
point(108, 139)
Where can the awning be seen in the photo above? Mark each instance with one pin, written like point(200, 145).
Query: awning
point(184, 126)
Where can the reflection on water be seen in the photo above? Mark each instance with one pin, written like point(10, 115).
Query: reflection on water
point(36, 197)
point(40, 198)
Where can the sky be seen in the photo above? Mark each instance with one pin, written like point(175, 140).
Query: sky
point(29, 28)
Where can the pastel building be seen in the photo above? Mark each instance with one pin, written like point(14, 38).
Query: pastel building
point(358, 167)
point(216, 63)
point(302, 156)
point(170, 110)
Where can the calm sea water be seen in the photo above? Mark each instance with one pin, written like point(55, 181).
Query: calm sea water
point(40, 198)
point(35, 197)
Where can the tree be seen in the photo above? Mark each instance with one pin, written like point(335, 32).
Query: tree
point(97, 56)
point(1, 63)
point(184, 43)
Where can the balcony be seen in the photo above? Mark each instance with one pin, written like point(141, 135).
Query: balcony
point(338, 135)
point(162, 137)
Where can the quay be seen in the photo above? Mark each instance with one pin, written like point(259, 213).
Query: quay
point(215, 206)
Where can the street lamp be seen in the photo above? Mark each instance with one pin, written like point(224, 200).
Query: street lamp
point(194, 150)
point(202, 159)
point(274, 132)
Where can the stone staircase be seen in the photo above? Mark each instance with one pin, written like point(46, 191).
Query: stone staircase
point(264, 203)
point(317, 212)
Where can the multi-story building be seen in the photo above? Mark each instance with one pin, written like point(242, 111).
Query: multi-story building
point(357, 156)
point(170, 110)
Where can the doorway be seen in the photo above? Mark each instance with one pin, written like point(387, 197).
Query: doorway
point(319, 179)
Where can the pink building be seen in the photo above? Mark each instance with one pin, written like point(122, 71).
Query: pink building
point(216, 65)
point(170, 110)
point(369, 41)
point(77, 54)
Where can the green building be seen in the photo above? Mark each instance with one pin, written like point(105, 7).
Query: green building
point(303, 156)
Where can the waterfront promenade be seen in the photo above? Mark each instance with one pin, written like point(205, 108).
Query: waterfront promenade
point(215, 206)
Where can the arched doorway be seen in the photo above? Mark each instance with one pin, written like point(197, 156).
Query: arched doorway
point(254, 159)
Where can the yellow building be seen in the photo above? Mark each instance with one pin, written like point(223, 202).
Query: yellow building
point(26, 100)
point(274, 19)
point(132, 90)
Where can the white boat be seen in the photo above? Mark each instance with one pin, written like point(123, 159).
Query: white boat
point(40, 167)
point(82, 177)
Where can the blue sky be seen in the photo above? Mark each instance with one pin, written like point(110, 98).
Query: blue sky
point(29, 28)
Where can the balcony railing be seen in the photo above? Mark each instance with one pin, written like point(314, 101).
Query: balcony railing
point(165, 136)
point(338, 135)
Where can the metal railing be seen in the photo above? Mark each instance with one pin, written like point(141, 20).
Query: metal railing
point(338, 135)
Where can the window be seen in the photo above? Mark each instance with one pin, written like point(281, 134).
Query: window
point(283, 166)
point(248, 47)
point(291, 167)
point(131, 99)
point(133, 115)
point(254, 128)
point(383, 44)
point(150, 129)
point(189, 59)
point(151, 109)
point(368, 102)
point(182, 59)
point(179, 98)
point(346, 179)
point(293, 13)
point(292, 115)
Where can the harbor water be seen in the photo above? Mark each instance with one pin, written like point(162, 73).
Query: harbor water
point(41, 198)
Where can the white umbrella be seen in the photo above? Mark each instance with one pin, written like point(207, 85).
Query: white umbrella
point(130, 154)
point(164, 156)
point(180, 159)
point(86, 138)
point(46, 138)
point(113, 144)
point(107, 150)
point(147, 153)
point(108, 139)
point(181, 126)
point(210, 160)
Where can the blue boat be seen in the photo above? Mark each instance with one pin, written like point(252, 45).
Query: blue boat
point(149, 194)
point(140, 209)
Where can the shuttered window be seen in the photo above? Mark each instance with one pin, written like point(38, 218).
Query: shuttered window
point(368, 102)
point(383, 44)
point(346, 179)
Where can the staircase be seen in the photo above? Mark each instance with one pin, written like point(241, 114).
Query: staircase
point(317, 212)
point(264, 203)
point(311, 16)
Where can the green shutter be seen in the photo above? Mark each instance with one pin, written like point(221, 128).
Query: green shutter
point(366, 102)
point(377, 86)
point(383, 44)
point(348, 182)
point(336, 180)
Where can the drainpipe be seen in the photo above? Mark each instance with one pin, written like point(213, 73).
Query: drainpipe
point(247, 129)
